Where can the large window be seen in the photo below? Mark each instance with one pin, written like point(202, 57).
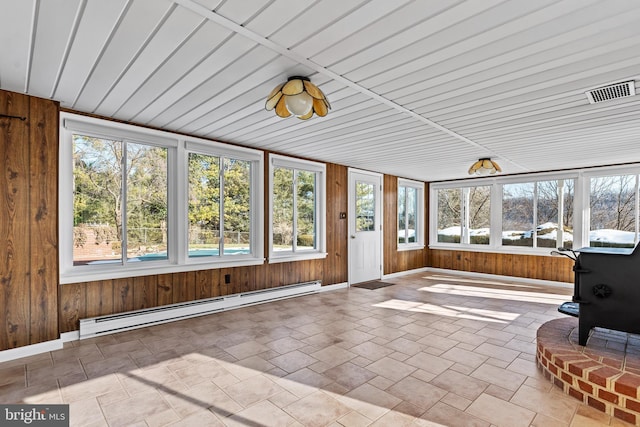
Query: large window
point(135, 201)
point(502, 214)
point(463, 215)
point(613, 207)
point(410, 214)
point(120, 201)
point(297, 209)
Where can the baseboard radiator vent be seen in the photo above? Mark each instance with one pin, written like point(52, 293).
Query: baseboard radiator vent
point(103, 325)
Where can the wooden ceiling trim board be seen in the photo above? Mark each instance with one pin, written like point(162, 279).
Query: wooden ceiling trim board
point(296, 57)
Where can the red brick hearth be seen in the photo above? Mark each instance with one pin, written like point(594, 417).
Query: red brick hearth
point(605, 374)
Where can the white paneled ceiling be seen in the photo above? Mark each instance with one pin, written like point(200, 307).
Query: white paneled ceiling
point(419, 88)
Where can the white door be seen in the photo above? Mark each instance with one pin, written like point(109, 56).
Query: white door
point(365, 226)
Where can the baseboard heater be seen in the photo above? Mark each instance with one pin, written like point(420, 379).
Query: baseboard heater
point(103, 325)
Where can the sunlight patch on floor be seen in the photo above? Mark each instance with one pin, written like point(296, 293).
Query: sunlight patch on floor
point(503, 294)
point(449, 311)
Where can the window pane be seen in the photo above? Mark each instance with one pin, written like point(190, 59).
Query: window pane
point(412, 212)
point(449, 228)
point(282, 209)
point(402, 212)
point(567, 212)
point(365, 207)
point(613, 211)
point(97, 201)
point(517, 214)
point(204, 205)
point(306, 210)
point(237, 207)
point(547, 212)
point(479, 215)
point(146, 202)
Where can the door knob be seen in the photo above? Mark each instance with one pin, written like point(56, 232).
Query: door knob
point(353, 236)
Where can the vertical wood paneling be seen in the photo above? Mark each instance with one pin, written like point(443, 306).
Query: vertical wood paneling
point(73, 305)
point(204, 284)
point(145, 292)
point(122, 295)
point(165, 289)
point(14, 220)
point(335, 264)
point(395, 260)
point(99, 298)
point(531, 266)
point(43, 234)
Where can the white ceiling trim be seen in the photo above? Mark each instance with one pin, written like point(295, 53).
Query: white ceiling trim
point(239, 29)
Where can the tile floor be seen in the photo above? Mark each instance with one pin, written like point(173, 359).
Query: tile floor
point(431, 350)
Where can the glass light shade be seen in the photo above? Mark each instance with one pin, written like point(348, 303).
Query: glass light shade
point(299, 104)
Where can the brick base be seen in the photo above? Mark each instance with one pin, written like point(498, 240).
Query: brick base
point(603, 374)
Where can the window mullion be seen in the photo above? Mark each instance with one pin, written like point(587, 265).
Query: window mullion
point(221, 165)
point(294, 243)
point(534, 234)
point(637, 208)
point(123, 204)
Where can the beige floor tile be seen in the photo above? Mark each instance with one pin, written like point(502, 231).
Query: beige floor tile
point(354, 419)
point(452, 417)
point(261, 414)
point(498, 376)
point(456, 401)
point(543, 421)
point(557, 405)
point(391, 368)
point(369, 401)
point(246, 349)
point(462, 385)
point(464, 357)
point(417, 392)
point(317, 409)
point(138, 408)
point(252, 390)
point(429, 363)
point(371, 350)
point(285, 345)
point(201, 418)
point(496, 352)
point(303, 382)
point(93, 387)
point(500, 412)
point(349, 375)
point(293, 361)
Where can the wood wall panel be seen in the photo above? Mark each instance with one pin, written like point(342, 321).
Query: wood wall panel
point(557, 269)
point(394, 260)
point(28, 221)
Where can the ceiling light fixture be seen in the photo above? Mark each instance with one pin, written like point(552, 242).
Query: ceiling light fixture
point(298, 97)
point(484, 167)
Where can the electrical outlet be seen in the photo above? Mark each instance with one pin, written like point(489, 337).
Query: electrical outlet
point(227, 279)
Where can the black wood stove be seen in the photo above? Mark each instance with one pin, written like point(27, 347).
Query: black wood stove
point(606, 290)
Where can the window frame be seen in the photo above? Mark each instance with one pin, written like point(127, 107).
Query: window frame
point(496, 184)
point(420, 215)
point(320, 169)
point(178, 147)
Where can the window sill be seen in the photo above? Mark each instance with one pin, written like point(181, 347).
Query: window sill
point(274, 259)
point(78, 276)
point(418, 247)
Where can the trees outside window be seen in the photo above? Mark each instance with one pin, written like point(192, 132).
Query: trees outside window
point(147, 201)
point(297, 214)
point(120, 200)
point(410, 214)
point(613, 211)
point(464, 215)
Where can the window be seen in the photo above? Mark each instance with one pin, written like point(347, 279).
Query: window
point(410, 214)
point(297, 214)
point(504, 214)
point(613, 211)
point(120, 201)
point(538, 214)
point(464, 215)
point(132, 211)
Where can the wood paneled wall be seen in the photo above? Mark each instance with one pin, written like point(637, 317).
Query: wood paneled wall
point(103, 297)
point(531, 266)
point(395, 260)
point(28, 221)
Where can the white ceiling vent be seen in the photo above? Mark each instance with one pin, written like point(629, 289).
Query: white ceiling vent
point(612, 91)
